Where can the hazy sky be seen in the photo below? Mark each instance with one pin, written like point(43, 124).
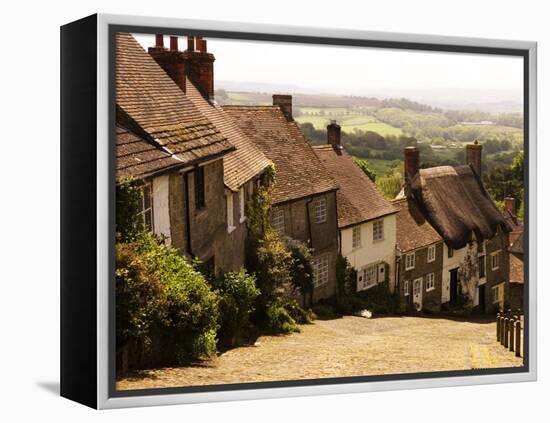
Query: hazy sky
point(441, 77)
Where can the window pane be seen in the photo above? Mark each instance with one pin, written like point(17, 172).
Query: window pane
point(320, 210)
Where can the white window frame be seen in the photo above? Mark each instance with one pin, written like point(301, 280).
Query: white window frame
point(230, 212)
point(242, 204)
point(320, 271)
point(419, 285)
point(356, 237)
point(409, 264)
point(498, 293)
point(369, 274)
point(431, 253)
point(320, 210)
point(378, 233)
point(495, 256)
point(430, 281)
point(278, 220)
point(406, 288)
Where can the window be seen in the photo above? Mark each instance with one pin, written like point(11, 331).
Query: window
point(450, 252)
point(495, 260)
point(147, 205)
point(430, 282)
point(320, 271)
point(242, 204)
point(431, 253)
point(498, 293)
point(378, 230)
point(406, 288)
point(278, 220)
point(199, 188)
point(409, 261)
point(229, 204)
point(370, 275)
point(320, 210)
point(481, 266)
point(356, 237)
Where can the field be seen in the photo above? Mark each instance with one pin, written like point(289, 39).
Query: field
point(348, 346)
point(349, 119)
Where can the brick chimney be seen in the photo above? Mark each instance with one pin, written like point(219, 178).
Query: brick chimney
point(199, 65)
point(171, 60)
point(333, 134)
point(285, 103)
point(510, 204)
point(412, 163)
point(473, 156)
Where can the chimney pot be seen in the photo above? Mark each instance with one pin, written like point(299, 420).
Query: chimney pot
point(159, 40)
point(173, 43)
point(285, 103)
point(190, 43)
point(198, 43)
point(333, 134)
point(412, 163)
point(510, 204)
point(473, 156)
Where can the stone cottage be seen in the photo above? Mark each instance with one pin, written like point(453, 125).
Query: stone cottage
point(456, 204)
point(174, 151)
point(193, 71)
point(366, 220)
point(304, 197)
point(419, 259)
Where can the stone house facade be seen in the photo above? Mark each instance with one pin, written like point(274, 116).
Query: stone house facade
point(419, 260)
point(366, 220)
point(193, 71)
point(304, 195)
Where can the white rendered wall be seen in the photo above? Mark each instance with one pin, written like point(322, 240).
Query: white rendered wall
point(371, 251)
point(161, 206)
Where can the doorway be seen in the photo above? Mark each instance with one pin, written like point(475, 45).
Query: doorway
point(417, 294)
point(454, 285)
point(481, 298)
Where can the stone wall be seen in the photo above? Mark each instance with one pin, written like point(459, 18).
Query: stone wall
point(431, 300)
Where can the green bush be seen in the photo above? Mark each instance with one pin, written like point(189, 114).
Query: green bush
point(301, 271)
point(299, 314)
point(279, 320)
point(139, 296)
point(129, 224)
point(379, 299)
point(191, 313)
point(238, 294)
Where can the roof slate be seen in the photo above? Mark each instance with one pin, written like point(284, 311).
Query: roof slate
point(358, 198)
point(151, 100)
point(298, 171)
point(247, 160)
point(455, 202)
point(135, 157)
point(413, 230)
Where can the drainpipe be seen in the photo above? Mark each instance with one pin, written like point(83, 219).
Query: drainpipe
point(309, 223)
point(187, 213)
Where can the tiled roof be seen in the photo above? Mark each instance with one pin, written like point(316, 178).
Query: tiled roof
point(151, 102)
point(358, 198)
point(457, 205)
point(298, 172)
point(516, 269)
point(413, 230)
point(136, 157)
point(247, 160)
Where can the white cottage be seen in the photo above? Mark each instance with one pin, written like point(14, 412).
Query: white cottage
point(366, 220)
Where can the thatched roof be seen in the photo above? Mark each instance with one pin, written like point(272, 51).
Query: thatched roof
point(457, 205)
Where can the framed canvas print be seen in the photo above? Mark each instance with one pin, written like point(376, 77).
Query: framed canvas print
point(254, 211)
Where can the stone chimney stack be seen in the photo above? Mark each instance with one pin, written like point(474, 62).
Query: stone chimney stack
point(333, 134)
point(199, 65)
point(510, 204)
point(172, 60)
point(285, 103)
point(473, 156)
point(412, 163)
